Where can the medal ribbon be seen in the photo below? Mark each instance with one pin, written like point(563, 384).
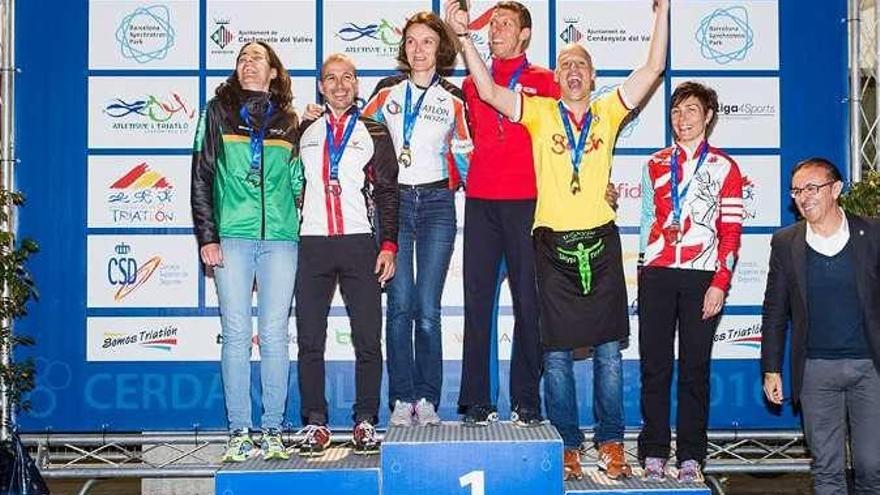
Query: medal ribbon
point(577, 148)
point(678, 196)
point(257, 136)
point(334, 149)
point(511, 84)
point(411, 113)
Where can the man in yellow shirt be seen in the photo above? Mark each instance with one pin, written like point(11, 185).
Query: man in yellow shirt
point(581, 289)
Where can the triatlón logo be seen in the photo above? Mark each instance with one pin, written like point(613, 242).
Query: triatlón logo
point(141, 197)
point(141, 177)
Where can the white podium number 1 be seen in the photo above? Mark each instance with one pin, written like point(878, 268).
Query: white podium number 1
point(476, 480)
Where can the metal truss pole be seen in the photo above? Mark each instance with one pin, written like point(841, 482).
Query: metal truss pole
point(7, 102)
point(876, 163)
point(855, 89)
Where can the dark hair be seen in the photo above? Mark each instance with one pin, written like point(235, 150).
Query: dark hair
point(447, 48)
point(707, 97)
point(525, 17)
point(229, 93)
point(830, 169)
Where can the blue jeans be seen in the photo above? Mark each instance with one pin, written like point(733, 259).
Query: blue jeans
point(560, 398)
point(273, 263)
point(426, 236)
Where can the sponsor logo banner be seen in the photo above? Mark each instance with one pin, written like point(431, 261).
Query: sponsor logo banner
point(135, 35)
point(748, 113)
point(287, 25)
point(142, 271)
point(370, 36)
point(750, 276)
point(145, 191)
point(740, 35)
point(645, 127)
point(152, 339)
point(616, 41)
point(131, 112)
point(626, 176)
point(761, 188)
point(738, 337)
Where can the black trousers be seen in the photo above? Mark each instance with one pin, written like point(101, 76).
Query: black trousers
point(493, 229)
point(349, 260)
point(671, 299)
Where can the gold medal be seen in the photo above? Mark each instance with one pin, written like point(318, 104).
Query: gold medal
point(405, 158)
point(575, 183)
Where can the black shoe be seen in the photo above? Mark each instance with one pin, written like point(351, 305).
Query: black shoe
point(526, 417)
point(479, 415)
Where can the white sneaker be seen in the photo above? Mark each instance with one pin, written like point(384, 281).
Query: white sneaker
point(402, 414)
point(426, 415)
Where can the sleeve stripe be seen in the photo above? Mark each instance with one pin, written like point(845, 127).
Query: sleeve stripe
point(731, 219)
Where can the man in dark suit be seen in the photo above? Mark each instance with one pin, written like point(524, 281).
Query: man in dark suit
point(825, 277)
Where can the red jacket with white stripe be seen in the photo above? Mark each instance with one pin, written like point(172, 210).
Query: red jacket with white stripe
point(711, 213)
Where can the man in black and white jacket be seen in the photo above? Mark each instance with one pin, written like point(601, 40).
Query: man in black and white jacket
point(350, 173)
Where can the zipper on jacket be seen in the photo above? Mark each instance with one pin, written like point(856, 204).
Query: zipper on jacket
point(263, 194)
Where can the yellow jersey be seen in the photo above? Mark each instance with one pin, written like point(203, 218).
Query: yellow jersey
point(558, 208)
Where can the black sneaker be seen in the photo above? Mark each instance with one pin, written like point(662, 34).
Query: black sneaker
point(479, 415)
point(526, 417)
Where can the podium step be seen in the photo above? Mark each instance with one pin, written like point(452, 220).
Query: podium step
point(456, 460)
point(596, 483)
point(339, 470)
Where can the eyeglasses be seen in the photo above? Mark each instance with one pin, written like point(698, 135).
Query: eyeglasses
point(810, 189)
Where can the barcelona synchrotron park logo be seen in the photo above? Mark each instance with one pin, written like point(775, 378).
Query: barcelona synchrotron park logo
point(725, 36)
point(146, 34)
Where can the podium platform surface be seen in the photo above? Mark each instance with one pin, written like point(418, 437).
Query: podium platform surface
point(596, 483)
point(451, 459)
point(339, 470)
point(453, 431)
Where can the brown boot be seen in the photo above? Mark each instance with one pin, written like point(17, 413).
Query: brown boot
point(571, 465)
point(612, 460)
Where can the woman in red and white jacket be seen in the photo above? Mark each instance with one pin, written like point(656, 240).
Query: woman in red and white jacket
point(692, 212)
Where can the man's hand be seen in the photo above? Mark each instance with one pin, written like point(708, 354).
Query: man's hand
point(773, 388)
point(385, 265)
point(713, 301)
point(611, 196)
point(456, 18)
point(313, 112)
point(211, 254)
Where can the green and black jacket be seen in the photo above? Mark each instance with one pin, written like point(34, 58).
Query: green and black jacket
point(225, 203)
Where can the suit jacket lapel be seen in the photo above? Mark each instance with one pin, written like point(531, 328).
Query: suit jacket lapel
point(799, 259)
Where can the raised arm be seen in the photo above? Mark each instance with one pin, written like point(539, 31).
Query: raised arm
point(501, 98)
point(639, 84)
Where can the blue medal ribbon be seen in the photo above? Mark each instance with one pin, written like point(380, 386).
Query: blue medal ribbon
point(411, 113)
point(678, 196)
point(257, 136)
point(576, 147)
point(335, 149)
point(511, 84)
